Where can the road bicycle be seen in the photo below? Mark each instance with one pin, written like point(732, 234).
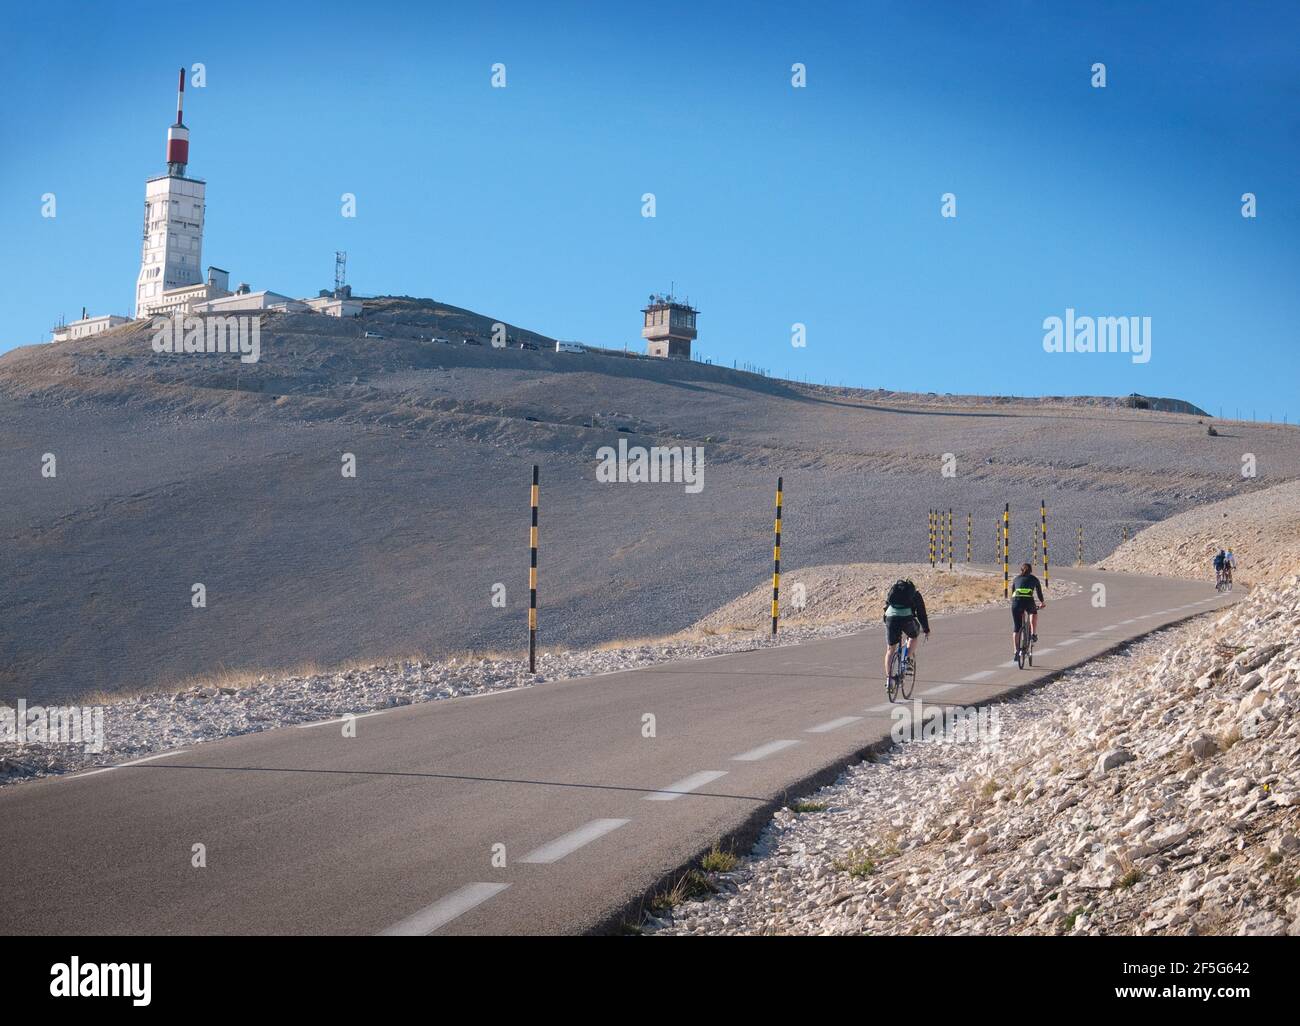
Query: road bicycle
point(902, 671)
point(1025, 643)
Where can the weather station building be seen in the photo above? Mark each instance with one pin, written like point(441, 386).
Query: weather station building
point(669, 327)
point(86, 326)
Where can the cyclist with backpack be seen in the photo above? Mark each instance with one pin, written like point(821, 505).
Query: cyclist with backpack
point(1023, 590)
point(1219, 559)
point(904, 614)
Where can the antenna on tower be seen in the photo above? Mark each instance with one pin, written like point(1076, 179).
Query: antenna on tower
point(340, 272)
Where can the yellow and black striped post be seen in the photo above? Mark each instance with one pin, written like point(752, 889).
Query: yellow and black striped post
point(1078, 545)
point(1124, 536)
point(949, 537)
point(970, 525)
point(1047, 574)
point(1006, 550)
point(532, 581)
point(776, 557)
point(932, 538)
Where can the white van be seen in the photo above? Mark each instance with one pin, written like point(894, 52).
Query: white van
point(569, 347)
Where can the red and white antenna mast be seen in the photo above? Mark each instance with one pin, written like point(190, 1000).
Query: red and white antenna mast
point(178, 136)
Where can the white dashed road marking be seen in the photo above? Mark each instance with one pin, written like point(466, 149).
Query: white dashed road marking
point(695, 780)
point(940, 689)
point(763, 751)
point(980, 675)
point(823, 728)
point(572, 841)
point(442, 912)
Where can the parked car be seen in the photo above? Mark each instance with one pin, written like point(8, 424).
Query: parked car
point(372, 334)
point(470, 342)
point(570, 347)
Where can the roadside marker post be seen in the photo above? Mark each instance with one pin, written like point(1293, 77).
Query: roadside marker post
point(1047, 573)
point(1006, 550)
point(949, 537)
point(532, 580)
point(776, 557)
point(1078, 560)
point(970, 523)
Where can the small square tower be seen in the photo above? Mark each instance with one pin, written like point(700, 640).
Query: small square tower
point(669, 327)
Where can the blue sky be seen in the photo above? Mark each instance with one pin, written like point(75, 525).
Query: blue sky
point(775, 205)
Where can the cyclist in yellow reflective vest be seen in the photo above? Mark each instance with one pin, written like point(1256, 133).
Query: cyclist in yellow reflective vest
point(1023, 590)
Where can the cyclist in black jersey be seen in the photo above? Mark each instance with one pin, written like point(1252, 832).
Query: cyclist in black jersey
point(904, 614)
point(1023, 590)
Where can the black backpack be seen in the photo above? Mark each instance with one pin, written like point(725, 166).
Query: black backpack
point(902, 594)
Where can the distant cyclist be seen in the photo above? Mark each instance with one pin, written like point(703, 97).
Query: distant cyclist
point(904, 614)
point(1023, 590)
point(1219, 560)
point(1229, 565)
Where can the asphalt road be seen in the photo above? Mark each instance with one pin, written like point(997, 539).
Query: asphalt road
point(536, 811)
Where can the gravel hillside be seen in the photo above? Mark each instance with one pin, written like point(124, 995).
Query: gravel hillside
point(175, 470)
point(1262, 529)
point(853, 594)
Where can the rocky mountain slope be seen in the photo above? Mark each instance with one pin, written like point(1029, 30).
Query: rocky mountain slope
point(176, 470)
point(1261, 528)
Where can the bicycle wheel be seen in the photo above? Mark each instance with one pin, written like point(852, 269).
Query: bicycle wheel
point(1020, 648)
point(908, 680)
point(891, 687)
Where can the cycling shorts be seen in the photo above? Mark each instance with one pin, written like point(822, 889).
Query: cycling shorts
point(1019, 607)
point(897, 626)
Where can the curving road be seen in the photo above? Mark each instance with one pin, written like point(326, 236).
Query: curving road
point(404, 828)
